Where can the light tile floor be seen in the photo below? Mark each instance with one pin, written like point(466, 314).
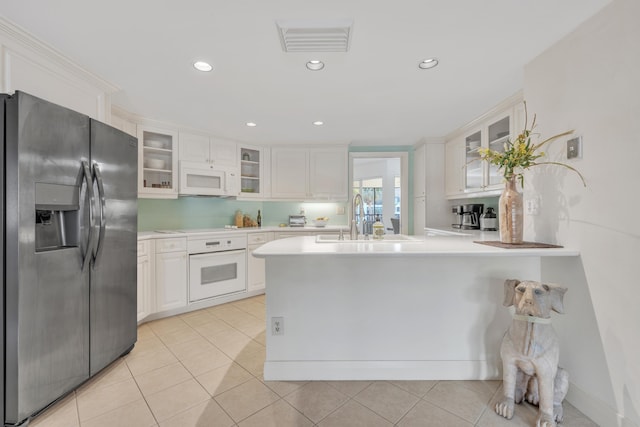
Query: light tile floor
point(204, 369)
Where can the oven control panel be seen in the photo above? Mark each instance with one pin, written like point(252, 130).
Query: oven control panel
point(217, 243)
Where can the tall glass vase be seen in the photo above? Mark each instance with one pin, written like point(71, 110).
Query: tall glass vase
point(510, 212)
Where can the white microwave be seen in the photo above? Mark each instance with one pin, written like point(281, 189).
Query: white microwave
point(205, 179)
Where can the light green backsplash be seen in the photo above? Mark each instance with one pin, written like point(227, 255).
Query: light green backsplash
point(215, 212)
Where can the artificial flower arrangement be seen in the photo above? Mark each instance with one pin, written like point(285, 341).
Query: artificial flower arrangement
point(521, 154)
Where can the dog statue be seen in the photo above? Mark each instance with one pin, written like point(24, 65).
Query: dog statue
point(530, 352)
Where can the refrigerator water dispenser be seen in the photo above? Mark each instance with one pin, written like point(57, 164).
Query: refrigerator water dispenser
point(57, 222)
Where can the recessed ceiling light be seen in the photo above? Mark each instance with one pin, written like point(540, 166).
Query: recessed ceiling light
point(251, 124)
point(428, 63)
point(318, 123)
point(202, 66)
point(315, 65)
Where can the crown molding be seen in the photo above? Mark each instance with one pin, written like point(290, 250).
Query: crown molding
point(24, 39)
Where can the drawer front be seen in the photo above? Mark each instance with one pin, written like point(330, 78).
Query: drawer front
point(171, 245)
point(143, 248)
point(257, 238)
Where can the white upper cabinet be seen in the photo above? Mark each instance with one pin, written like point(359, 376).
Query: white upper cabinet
point(475, 174)
point(328, 173)
point(194, 148)
point(454, 167)
point(198, 148)
point(289, 172)
point(157, 163)
point(466, 174)
point(308, 173)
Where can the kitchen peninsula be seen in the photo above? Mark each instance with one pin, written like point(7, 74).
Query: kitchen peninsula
point(421, 308)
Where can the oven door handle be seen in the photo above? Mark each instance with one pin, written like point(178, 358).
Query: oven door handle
point(229, 252)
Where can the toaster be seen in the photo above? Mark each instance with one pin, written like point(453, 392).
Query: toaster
point(297, 220)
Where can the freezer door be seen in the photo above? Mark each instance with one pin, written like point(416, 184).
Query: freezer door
point(3, 97)
point(46, 289)
point(114, 159)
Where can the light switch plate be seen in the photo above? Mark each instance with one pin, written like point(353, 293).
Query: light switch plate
point(574, 148)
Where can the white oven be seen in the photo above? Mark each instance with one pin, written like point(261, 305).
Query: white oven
point(217, 266)
point(205, 179)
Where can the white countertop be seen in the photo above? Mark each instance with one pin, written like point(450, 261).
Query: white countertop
point(162, 234)
point(452, 245)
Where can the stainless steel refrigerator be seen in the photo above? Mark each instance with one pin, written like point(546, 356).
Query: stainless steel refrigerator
point(69, 216)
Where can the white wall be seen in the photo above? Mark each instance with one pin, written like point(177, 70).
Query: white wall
point(590, 82)
point(31, 66)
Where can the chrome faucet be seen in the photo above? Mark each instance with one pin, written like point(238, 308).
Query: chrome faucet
point(353, 231)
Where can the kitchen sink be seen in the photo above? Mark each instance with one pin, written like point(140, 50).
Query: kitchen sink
point(388, 238)
point(435, 232)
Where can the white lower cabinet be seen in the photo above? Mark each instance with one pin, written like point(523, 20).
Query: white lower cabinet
point(163, 274)
point(255, 266)
point(144, 300)
point(171, 273)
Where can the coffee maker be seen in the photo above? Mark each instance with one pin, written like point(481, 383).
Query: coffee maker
point(456, 216)
point(471, 216)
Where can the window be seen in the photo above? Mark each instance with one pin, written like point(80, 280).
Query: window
point(371, 191)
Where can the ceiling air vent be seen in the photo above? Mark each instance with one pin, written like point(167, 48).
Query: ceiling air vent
point(315, 36)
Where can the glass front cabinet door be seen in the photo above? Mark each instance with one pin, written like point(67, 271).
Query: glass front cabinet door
point(474, 176)
point(157, 163)
point(493, 134)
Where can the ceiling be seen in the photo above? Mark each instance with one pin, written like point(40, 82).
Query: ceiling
point(373, 94)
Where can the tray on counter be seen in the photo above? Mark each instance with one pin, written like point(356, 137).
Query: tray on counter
point(523, 245)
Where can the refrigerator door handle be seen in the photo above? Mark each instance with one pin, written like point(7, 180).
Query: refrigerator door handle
point(101, 199)
point(86, 172)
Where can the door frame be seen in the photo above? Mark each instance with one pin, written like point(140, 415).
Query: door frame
point(404, 181)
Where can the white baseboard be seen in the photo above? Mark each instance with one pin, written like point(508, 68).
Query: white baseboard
point(199, 305)
point(628, 423)
point(380, 370)
point(594, 408)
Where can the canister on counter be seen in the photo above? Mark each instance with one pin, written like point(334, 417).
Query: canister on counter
point(488, 220)
point(239, 219)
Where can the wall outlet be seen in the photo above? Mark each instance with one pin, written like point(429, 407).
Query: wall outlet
point(277, 326)
point(340, 210)
point(574, 148)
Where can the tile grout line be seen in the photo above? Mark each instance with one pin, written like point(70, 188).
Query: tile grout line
point(192, 377)
point(75, 399)
point(142, 394)
point(487, 406)
point(410, 409)
point(211, 397)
